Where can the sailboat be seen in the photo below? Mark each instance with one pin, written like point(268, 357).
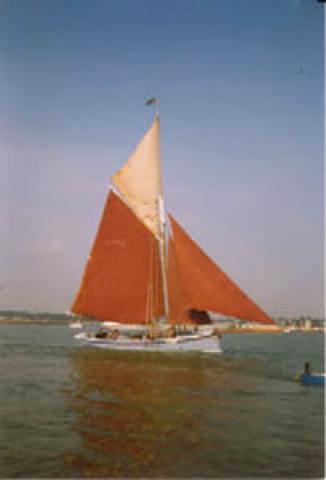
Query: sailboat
point(146, 280)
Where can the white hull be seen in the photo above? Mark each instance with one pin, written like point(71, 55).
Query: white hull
point(202, 343)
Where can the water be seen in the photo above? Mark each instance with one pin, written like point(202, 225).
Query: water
point(69, 411)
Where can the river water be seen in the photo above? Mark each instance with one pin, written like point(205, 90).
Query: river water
point(72, 411)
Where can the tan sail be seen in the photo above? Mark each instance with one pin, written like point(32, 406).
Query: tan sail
point(139, 180)
point(197, 283)
point(123, 262)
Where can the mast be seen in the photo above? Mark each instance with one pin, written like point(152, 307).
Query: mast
point(162, 245)
point(161, 215)
point(162, 235)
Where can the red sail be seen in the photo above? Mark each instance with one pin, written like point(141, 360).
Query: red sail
point(123, 264)
point(196, 283)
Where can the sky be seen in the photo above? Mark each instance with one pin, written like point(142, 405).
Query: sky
point(240, 84)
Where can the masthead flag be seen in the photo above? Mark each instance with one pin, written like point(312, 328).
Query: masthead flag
point(152, 101)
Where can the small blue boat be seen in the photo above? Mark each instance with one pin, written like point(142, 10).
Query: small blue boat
point(313, 379)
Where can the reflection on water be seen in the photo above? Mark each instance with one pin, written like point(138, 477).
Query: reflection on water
point(140, 416)
point(154, 415)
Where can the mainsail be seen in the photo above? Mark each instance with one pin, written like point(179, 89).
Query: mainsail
point(128, 278)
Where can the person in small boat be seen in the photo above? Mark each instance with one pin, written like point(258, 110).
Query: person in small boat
point(307, 369)
point(305, 372)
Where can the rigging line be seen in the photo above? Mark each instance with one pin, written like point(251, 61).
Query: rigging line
point(162, 251)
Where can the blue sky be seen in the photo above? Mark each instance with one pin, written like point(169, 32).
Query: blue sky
point(241, 90)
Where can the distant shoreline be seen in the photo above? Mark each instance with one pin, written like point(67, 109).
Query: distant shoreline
point(271, 331)
point(28, 318)
point(16, 317)
point(29, 321)
point(63, 319)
